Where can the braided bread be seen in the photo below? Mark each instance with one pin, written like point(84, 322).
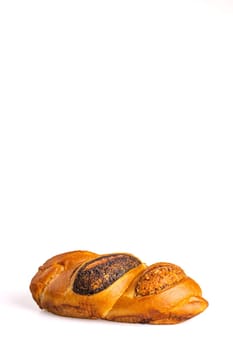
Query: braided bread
point(116, 287)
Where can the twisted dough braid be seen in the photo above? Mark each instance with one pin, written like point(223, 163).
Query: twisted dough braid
point(116, 287)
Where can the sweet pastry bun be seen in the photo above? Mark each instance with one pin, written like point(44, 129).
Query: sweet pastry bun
point(116, 287)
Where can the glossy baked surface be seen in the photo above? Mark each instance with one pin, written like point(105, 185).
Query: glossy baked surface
point(116, 287)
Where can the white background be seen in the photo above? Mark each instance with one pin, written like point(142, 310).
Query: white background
point(116, 135)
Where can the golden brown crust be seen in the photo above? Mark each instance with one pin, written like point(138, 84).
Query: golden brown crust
point(116, 287)
point(59, 265)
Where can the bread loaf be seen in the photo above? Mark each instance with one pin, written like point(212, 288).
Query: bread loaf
point(116, 287)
